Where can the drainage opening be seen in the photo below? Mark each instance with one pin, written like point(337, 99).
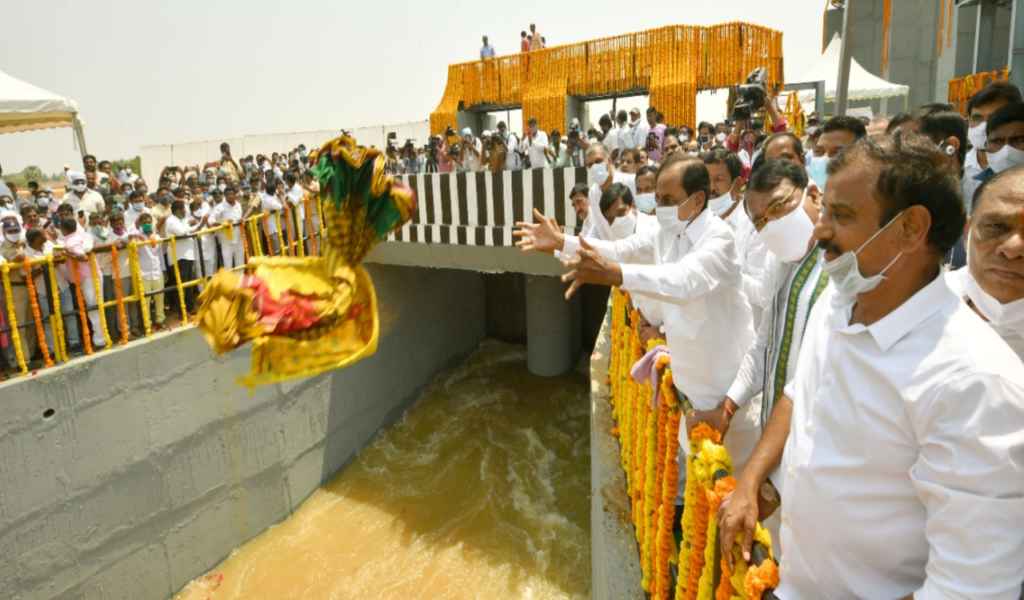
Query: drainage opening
point(48, 413)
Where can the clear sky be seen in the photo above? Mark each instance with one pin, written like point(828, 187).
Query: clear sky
point(149, 72)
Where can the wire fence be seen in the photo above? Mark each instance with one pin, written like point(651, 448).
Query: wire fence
point(102, 309)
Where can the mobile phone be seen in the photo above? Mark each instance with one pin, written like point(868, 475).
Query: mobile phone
point(81, 213)
point(705, 139)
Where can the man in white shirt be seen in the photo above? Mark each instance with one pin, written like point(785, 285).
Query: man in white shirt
point(184, 251)
point(610, 139)
point(727, 202)
point(472, 152)
point(903, 475)
point(637, 128)
point(232, 252)
point(623, 133)
point(784, 207)
point(980, 107)
point(271, 204)
point(689, 264)
point(81, 198)
point(293, 196)
point(601, 174)
point(534, 143)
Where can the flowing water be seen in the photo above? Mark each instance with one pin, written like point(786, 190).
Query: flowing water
point(480, 491)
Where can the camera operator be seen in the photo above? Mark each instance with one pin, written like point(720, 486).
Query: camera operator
point(497, 151)
point(534, 143)
point(513, 157)
point(577, 143)
point(410, 160)
point(472, 151)
point(777, 122)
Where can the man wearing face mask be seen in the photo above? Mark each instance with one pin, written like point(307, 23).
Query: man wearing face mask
point(646, 177)
point(81, 197)
point(980, 107)
point(601, 174)
point(727, 203)
point(993, 281)
point(784, 208)
point(836, 134)
point(1004, 146)
point(178, 226)
point(513, 157)
point(637, 129)
point(620, 211)
point(907, 409)
point(690, 265)
point(12, 248)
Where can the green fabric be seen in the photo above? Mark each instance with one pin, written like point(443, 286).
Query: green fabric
point(347, 185)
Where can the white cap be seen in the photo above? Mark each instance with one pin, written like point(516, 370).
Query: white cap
point(486, 133)
point(467, 131)
point(76, 175)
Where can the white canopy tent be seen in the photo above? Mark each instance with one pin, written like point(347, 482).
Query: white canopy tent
point(863, 85)
point(24, 107)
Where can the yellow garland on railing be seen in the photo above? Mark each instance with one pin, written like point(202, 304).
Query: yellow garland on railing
point(86, 337)
point(98, 290)
point(36, 313)
point(13, 322)
point(119, 295)
point(57, 318)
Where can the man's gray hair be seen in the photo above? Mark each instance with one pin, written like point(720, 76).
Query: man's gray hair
point(595, 146)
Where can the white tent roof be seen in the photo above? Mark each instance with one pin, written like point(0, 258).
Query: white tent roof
point(24, 107)
point(863, 85)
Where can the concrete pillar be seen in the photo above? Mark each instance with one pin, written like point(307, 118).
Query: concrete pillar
point(549, 327)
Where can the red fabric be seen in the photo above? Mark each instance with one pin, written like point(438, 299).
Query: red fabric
point(525, 45)
point(291, 312)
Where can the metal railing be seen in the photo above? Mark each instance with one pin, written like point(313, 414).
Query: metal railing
point(49, 322)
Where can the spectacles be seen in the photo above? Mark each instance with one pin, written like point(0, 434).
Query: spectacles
point(775, 211)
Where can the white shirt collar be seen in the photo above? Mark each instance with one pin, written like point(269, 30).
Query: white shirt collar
point(888, 330)
point(698, 226)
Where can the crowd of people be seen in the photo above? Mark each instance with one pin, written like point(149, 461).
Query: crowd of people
point(202, 208)
point(847, 309)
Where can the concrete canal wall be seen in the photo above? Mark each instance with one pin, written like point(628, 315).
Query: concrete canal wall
point(127, 474)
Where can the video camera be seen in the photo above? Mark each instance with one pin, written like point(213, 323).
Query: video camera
point(750, 97)
point(449, 132)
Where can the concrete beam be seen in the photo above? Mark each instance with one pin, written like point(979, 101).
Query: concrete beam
point(489, 259)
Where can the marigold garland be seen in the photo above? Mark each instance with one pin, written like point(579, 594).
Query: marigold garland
point(15, 336)
point(266, 230)
point(36, 313)
point(86, 337)
point(57, 317)
point(98, 290)
point(120, 296)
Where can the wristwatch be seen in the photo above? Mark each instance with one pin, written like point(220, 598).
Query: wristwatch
point(769, 494)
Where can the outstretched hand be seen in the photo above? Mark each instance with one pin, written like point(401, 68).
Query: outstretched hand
point(543, 236)
point(590, 267)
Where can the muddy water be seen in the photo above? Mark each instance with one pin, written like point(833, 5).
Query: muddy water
point(480, 491)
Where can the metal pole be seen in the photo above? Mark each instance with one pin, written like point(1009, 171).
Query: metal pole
point(76, 123)
point(845, 57)
point(1017, 46)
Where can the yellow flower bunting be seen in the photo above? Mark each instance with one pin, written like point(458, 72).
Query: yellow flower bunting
point(671, 63)
point(649, 446)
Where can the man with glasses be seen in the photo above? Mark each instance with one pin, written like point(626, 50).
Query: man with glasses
point(784, 207)
point(980, 107)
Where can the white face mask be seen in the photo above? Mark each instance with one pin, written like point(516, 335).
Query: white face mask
point(787, 238)
point(721, 204)
point(845, 272)
point(978, 135)
point(645, 203)
point(1002, 315)
point(79, 187)
point(13, 238)
point(597, 174)
point(222, 187)
point(811, 129)
point(624, 226)
point(1007, 158)
point(43, 202)
point(668, 218)
point(694, 153)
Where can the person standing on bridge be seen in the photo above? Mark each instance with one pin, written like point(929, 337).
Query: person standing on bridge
point(524, 42)
point(487, 50)
point(535, 142)
point(691, 266)
point(536, 42)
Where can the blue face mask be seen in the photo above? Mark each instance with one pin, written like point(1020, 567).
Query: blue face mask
point(646, 203)
point(818, 171)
